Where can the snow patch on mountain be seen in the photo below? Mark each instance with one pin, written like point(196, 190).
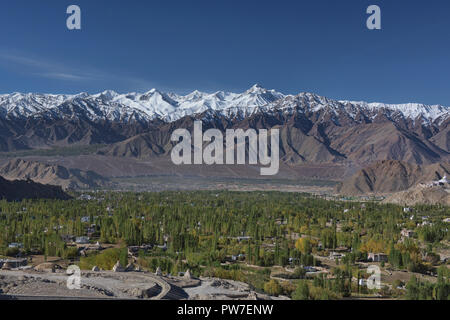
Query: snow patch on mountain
point(408, 110)
point(169, 107)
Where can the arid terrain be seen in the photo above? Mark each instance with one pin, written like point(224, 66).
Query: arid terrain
point(114, 285)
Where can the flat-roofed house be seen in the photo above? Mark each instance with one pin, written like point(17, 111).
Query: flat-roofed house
point(82, 240)
point(407, 233)
point(377, 257)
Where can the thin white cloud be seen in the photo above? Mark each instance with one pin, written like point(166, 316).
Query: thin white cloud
point(43, 68)
point(62, 76)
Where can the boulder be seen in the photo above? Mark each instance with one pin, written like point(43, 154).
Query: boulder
point(253, 296)
point(187, 275)
point(136, 292)
point(7, 266)
point(143, 293)
point(158, 272)
point(130, 267)
point(118, 267)
point(48, 267)
point(95, 269)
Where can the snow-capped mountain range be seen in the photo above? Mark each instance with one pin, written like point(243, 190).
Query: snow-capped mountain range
point(169, 107)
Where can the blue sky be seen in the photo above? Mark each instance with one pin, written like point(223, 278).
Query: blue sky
point(321, 46)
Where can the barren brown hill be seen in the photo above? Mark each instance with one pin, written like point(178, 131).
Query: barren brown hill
point(52, 175)
point(391, 176)
point(18, 190)
point(421, 194)
point(366, 143)
point(305, 139)
point(442, 139)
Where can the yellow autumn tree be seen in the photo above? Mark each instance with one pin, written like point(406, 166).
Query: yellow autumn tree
point(373, 246)
point(304, 229)
point(273, 288)
point(303, 245)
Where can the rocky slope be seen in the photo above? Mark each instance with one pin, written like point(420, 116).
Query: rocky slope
point(18, 190)
point(314, 129)
point(392, 176)
point(421, 194)
point(57, 175)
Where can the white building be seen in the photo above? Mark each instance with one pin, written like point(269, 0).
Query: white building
point(82, 240)
point(17, 245)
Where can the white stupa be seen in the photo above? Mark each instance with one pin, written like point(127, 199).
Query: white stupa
point(443, 180)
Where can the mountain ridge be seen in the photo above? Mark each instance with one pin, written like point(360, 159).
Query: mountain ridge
point(155, 104)
point(314, 129)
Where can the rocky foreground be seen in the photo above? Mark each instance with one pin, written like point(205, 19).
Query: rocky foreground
point(32, 284)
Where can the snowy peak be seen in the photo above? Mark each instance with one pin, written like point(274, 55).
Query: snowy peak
point(25, 105)
point(256, 88)
point(413, 111)
point(155, 104)
point(107, 95)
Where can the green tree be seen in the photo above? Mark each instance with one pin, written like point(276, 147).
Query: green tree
point(273, 288)
point(302, 291)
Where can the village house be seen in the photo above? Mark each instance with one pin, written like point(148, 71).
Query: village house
point(281, 222)
point(342, 249)
point(407, 233)
point(238, 257)
point(85, 197)
point(90, 231)
point(82, 240)
point(17, 245)
point(377, 257)
point(134, 250)
point(336, 255)
point(67, 238)
point(294, 260)
point(426, 223)
point(85, 219)
point(243, 238)
point(310, 269)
